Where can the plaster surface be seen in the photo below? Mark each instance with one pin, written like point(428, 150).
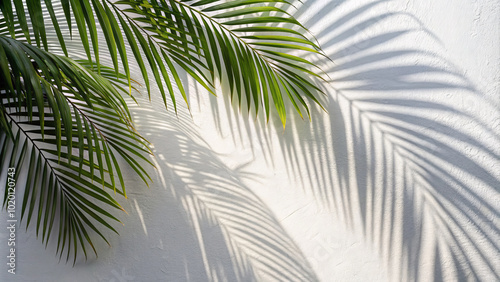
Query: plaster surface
point(399, 182)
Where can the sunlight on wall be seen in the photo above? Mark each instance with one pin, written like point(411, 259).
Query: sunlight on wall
point(399, 182)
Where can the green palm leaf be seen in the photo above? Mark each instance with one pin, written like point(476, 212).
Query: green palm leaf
point(234, 41)
point(51, 107)
point(208, 38)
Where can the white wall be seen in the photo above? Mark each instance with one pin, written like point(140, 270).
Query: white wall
point(400, 182)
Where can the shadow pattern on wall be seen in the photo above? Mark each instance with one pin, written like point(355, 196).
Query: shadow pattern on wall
point(398, 160)
point(395, 157)
point(236, 237)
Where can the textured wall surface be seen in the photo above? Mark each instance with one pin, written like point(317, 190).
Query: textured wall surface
point(399, 182)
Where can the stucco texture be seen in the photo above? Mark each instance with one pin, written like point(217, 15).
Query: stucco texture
point(399, 181)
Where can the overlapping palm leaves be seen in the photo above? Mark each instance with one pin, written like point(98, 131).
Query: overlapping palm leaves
point(66, 122)
point(67, 127)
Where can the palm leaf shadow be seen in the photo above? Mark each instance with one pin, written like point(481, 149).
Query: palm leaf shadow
point(393, 159)
point(237, 237)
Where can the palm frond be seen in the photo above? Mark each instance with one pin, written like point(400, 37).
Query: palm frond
point(67, 128)
point(254, 46)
